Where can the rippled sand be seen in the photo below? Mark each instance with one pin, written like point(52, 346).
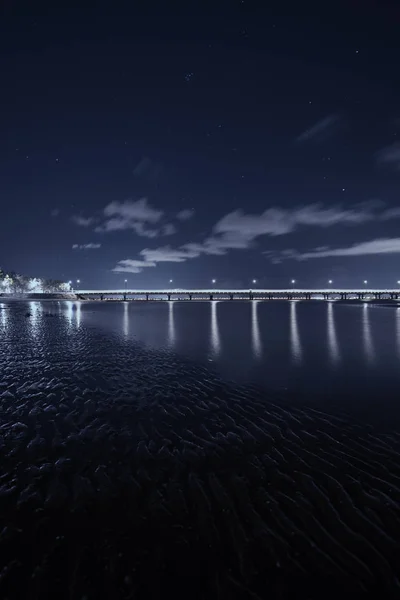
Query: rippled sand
point(127, 473)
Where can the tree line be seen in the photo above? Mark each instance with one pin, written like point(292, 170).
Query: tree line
point(13, 283)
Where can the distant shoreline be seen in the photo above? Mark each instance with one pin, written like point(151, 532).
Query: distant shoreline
point(17, 297)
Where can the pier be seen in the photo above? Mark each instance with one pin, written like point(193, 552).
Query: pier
point(242, 294)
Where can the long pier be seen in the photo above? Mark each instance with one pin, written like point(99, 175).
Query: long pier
point(245, 294)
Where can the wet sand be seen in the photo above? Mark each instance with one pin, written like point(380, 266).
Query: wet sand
point(128, 473)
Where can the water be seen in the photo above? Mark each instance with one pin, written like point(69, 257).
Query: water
point(332, 355)
point(202, 450)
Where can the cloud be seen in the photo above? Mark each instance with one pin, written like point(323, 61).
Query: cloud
point(390, 213)
point(134, 215)
point(55, 212)
point(83, 221)
point(239, 231)
point(168, 254)
point(321, 129)
point(132, 266)
point(139, 210)
point(390, 155)
point(373, 247)
point(169, 229)
point(185, 214)
point(86, 246)
point(279, 221)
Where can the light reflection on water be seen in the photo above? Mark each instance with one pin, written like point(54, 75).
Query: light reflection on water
point(215, 336)
point(255, 330)
point(367, 335)
point(294, 333)
point(171, 323)
point(126, 319)
point(74, 313)
point(333, 344)
point(4, 316)
point(34, 320)
point(397, 317)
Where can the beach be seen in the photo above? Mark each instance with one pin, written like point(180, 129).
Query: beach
point(133, 473)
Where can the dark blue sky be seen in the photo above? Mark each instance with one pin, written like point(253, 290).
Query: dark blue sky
point(276, 130)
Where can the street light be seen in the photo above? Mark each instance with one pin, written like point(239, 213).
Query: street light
point(171, 280)
point(254, 280)
point(365, 281)
point(214, 281)
point(126, 281)
point(293, 282)
point(78, 282)
point(398, 283)
point(330, 281)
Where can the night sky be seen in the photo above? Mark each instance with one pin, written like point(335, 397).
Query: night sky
point(228, 140)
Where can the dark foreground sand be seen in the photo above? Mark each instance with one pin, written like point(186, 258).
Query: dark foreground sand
point(131, 474)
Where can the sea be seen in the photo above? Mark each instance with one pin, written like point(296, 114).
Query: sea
point(225, 449)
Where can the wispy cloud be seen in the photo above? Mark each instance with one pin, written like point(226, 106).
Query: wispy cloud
point(185, 214)
point(279, 221)
point(86, 246)
point(239, 231)
point(319, 130)
point(390, 155)
point(168, 254)
point(168, 229)
point(83, 221)
point(135, 215)
point(132, 266)
point(377, 246)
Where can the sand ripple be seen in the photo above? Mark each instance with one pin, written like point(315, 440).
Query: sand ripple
point(132, 474)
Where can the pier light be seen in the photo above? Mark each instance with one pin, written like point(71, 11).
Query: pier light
point(214, 281)
point(365, 281)
point(398, 283)
point(126, 281)
point(171, 280)
point(330, 281)
point(293, 281)
point(254, 280)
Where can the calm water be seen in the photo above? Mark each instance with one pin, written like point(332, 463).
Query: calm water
point(331, 354)
point(235, 450)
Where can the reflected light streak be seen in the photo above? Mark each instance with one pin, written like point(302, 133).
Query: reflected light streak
point(215, 337)
point(4, 315)
point(255, 330)
point(397, 317)
point(70, 312)
point(126, 319)
point(294, 333)
point(171, 323)
point(34, 308)
point(74, 312)
point(367, 337)
point(333, 344)
point(78, 313)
